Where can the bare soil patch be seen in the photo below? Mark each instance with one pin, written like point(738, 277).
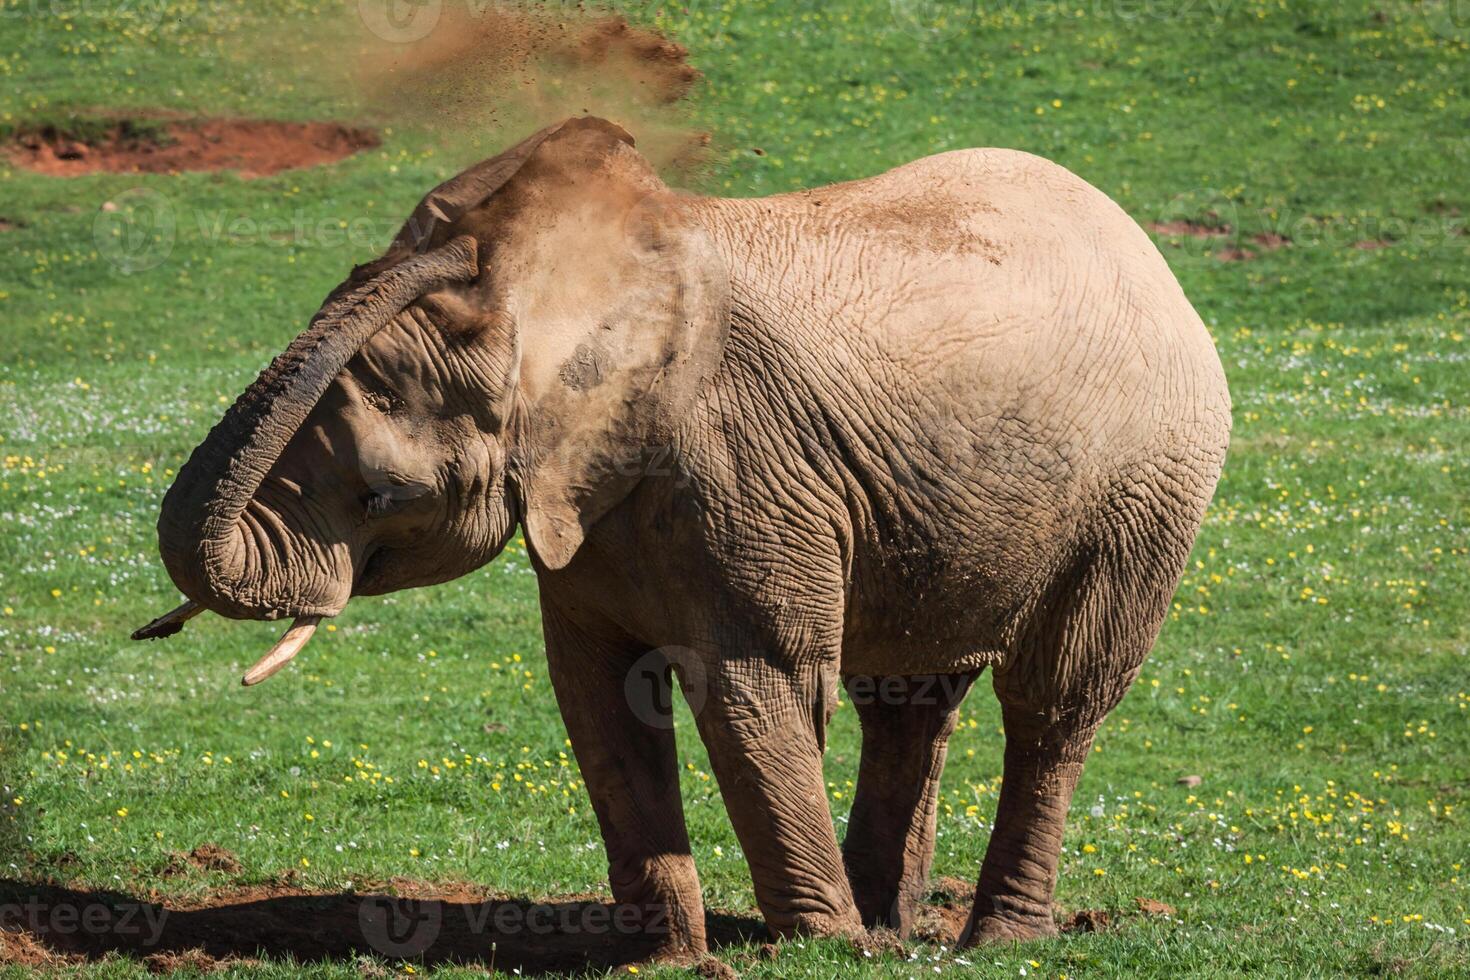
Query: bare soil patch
point(252, 147)
point(397, 920)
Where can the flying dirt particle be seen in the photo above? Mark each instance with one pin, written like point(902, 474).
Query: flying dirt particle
point(253, 147)
point(490, 74)
point(1189, 780)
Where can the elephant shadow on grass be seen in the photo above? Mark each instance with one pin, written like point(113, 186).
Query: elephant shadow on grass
point(47, 925)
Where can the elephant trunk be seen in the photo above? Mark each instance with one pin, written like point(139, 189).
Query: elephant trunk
point(209, 541)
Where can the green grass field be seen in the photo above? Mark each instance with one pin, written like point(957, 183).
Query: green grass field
point(1313, 673)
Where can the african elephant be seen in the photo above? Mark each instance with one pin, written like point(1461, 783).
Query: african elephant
point(955, 416)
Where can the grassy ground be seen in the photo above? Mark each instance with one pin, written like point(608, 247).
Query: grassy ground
point(1313, 673)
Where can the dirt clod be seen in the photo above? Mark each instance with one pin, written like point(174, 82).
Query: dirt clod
point(713, 969)
point(876, 943)
point(192, 960)
point(205, 857)
point(252, 147)
point(1087, 920)
point(1189, 780)
point(1150, 906)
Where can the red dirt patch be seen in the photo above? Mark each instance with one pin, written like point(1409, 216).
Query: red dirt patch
point(18, 948)
point(1270, 241)
point(1188, 229)
point(7, 225)
point(1233, 255)
point(253, 147)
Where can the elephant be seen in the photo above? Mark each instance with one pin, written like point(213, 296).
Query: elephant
point(873, 437)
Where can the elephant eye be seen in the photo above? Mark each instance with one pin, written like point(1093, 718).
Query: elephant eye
point(381, 504)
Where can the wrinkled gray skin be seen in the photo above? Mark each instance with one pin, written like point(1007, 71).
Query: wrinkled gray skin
point(956, 416)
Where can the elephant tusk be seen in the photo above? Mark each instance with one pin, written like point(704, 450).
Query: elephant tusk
point(169, 623)
point(288, 646)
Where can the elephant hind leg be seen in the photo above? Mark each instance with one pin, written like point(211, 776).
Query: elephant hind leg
point(1073, 661)
point(889, 847)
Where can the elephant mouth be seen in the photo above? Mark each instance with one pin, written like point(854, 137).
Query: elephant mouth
point(226, 529)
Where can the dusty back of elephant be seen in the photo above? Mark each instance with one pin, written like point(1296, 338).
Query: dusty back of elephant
point(1008, 370)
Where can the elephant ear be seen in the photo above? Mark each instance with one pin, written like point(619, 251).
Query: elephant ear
point(622, 306)
point(457, 196)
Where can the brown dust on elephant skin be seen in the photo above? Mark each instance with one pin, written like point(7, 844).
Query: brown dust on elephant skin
point(251, 147)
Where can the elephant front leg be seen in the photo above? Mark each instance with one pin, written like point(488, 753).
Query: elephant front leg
point(614, 699)
point(889, 846)
point(763, 728)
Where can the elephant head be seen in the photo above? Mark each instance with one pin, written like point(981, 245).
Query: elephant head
point(533, 332)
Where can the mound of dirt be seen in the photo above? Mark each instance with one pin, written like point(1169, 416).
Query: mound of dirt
point(253, 147)
point(205, 857)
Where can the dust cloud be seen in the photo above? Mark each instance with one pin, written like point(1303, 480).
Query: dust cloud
point(486, 74)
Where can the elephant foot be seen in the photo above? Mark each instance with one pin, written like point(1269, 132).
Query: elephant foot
point(1002, 928)
point(817, 924)
point(681, 953)
point(884, 905)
